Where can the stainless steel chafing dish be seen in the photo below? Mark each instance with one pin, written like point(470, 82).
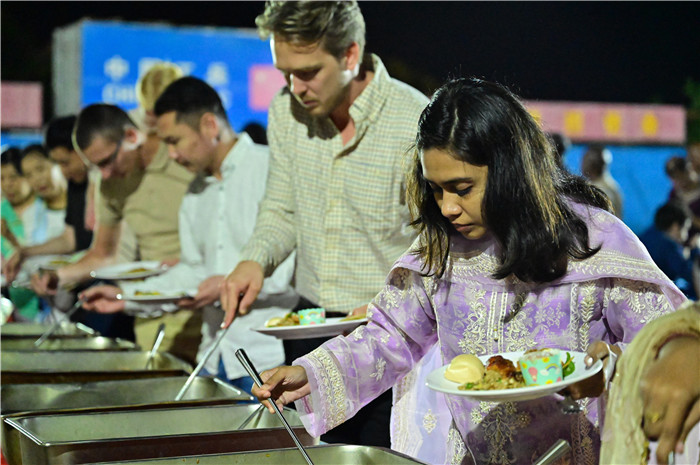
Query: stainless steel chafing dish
point(34, 330)
point(136, 394)
point(330, 454)
point(78, 438)
point(20, 367)
point(69, 343)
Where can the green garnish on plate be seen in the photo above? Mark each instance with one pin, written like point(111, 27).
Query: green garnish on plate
point(568, 366)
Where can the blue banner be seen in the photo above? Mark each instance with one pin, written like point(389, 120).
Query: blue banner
point(640, 172)
point(237, 63)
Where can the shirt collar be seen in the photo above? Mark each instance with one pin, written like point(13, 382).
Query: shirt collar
point(239, 150)
point(160, 159)
point(370, 101)
point(364, 109)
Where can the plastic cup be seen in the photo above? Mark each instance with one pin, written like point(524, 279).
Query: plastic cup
point(541, 367)
point(312, 316)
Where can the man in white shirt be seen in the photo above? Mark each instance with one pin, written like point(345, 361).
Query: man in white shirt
point(231, 177)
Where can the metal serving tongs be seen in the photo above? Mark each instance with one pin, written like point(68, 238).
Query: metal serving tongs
point(160, 334)
point(557, 451)
point(248, 365)
point(57, 323)
point(201, 363)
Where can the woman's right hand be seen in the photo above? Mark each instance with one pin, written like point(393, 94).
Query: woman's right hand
point(285, 384)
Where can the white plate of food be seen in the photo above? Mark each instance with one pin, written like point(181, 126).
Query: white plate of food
point(332, 327)
point(131, 270)
point(54, 262)
point(436, 380)
point(156, 297)
point(40, 263)
point(46, 262)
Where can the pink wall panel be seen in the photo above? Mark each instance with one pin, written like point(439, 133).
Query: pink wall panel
point(21, 104)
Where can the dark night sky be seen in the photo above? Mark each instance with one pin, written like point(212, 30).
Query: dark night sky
point(639, 52)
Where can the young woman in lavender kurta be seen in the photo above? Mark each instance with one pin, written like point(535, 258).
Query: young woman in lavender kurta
point(514, 253)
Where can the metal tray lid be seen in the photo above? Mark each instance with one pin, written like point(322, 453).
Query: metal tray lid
point(125, 394)
point(68, 343)
point(335, 454)
point(87, 361)
point(66, 329)
point(173, 422)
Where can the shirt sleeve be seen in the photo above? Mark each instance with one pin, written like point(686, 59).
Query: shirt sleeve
point(348, 372)
point(274, 237)
point(628, 305)
point(109, 207)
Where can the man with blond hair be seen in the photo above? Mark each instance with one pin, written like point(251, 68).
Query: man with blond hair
point(335, 194)
point(148, 88)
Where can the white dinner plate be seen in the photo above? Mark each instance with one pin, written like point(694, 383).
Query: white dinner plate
point(124, 271)
point(40, 263)
point(159, 298)
point(46, 262)
point(54, 262)
point(436, 381)
point(332, 327)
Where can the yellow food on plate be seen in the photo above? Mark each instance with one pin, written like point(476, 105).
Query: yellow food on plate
point(290, 319)
point(465, 368)
point(360, 316)
point(136, 270)
point(470, 373)
point(146, 293)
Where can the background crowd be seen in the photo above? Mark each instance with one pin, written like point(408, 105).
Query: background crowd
point(326, 216)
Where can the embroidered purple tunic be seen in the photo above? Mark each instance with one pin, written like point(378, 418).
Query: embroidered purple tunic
point(608, 297)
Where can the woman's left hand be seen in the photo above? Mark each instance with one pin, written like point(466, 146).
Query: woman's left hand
point(594, 386)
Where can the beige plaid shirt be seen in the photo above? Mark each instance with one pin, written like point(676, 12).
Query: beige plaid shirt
point(148, 200)
point(342, 207)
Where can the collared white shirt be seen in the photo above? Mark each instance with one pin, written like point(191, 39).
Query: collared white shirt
point(216, 220)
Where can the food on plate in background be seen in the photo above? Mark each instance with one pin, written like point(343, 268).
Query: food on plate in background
point(146, 293)
point(465, 368)
point(137, 270)
point(307, 316)
point(290, 319)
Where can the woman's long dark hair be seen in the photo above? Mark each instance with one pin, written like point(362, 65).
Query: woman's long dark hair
point(526, 202)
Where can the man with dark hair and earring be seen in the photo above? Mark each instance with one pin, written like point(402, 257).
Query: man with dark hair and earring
point(338, 133)
point(231, 175)
point(142, 187)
